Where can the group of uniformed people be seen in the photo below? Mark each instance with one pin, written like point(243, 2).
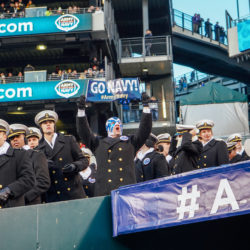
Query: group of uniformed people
point(40, 165)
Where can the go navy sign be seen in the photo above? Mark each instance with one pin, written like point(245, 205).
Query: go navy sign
point(187, 198)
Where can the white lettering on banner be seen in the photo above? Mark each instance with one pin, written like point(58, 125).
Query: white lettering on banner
point(119, 85)
point(13, 27)
point(184, 208)
point(229, 200)
point(19, 93)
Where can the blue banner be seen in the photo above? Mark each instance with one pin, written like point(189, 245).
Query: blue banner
point(187, 198)
point(244, 35)
point(102, 91)
point(15, 92)
point(43, 25)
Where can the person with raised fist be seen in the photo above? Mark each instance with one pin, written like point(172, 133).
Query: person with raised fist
point(114, 153)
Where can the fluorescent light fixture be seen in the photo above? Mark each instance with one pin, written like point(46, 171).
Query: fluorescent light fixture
point(41, 47)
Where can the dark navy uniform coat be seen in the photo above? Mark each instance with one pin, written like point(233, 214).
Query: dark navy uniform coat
point(185, 156)
point(152, 166)
point(42, 182)
point(64, 186)
point(214, 153)
point(115, 156)
point(16, 172)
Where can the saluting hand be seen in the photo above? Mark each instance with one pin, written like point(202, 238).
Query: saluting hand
point(81, 102)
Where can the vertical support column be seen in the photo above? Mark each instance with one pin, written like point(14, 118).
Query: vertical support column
point(145, 16)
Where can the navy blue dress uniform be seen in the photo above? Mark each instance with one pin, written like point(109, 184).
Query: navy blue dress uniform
point(64, 186)
point(150, 164)
point(242, 155)
point(40, 166)
point(214, 153)
point(16, 173)
point(232, 151)
point(115, 156)
point(186, 150)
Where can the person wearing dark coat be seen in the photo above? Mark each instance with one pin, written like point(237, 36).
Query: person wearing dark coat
point(186, 149)
point(16, 173)
point(150, 164)
point(214, 152)
point(232, 152)
point(65, 160)
point(241, 153)
point(114, 153)
point(39, 163)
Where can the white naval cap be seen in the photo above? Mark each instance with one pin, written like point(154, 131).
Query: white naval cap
point(46, 115)
point(17, 129)
point(234, 138)
point(4, 126)
point(231, 145)
point(181, 129)
point(166, 137)
point(204, 124)
point(33, 131)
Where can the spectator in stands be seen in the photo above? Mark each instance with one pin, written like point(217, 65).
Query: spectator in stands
point(30, 4)
point(181, 84)
point(148, 43)
point(192, 76)
point(101, 73)
point(3, 9)
point(135, 109)
point(3, 78)
point(222, 35)
point(126, 110)
point(90, 73)
point(21, 5)
point(70, 10)
point(59, 11)
point(153, 105)
point(98, 10)
point(48, 12)
point(95, 70)
point(208, 29)
point(217, 31)
point(195, 23)
point(184, 83)
point(232, 152)
point(91, 9)
point(20, 77)
point(74, 74)
point(199, 23)
point(94, 62)
point(29, 67)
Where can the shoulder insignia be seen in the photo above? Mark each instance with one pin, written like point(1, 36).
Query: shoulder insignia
point(146, 161)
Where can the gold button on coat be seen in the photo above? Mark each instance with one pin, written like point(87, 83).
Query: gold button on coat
point(109, 160)
point(109, 180)
point(56, 182)
point(120, 169)
point(68, 189)
point(109, 170)
point(58, 192)
point(1, 186)
point(205, 156)
point(60, 159)
point(204, 164)
point(65, 179)
point(120, 159)
point(109, 150)
point(120, 149)
point(53, 171)
point(121, 179)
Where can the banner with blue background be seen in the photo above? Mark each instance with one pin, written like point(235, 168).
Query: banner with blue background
point(244, 35)
point(102, 91)
point(196, 196)
point(15, 92)
point(43, 25)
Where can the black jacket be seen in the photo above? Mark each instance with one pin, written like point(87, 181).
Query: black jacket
point(115, 156)
point(16, 173)
point(42, 182)
point(152, 166)
point(214, 153)
point(64, 186)
point(185, 156)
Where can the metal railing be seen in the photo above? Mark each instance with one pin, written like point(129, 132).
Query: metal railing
point(56, 77)
point(187, 22)
point(141, 46)
point(57, 12)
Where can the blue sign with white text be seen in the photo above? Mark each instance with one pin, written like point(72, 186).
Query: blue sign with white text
point(46, 24)
point(196, 196)
point(102, 91)
point(244, 35)
point(15, 92)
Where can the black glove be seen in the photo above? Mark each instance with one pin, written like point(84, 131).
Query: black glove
point(4, 195)
point(145, 99)
point(51, 164)
point(92, 167)
point(81, 102)
point(69, 168)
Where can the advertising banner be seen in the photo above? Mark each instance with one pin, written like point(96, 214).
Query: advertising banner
point(244, 35)
point(196, 196)
point(46, 24)
point(15, 92)
point(102, 91)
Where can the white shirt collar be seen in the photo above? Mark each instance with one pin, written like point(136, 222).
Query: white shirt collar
point(168, 158)
point(141, 155)
point(26, 147)
point(204, 144)
point(4, 148)
point(52, 144)
point(241, 152)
